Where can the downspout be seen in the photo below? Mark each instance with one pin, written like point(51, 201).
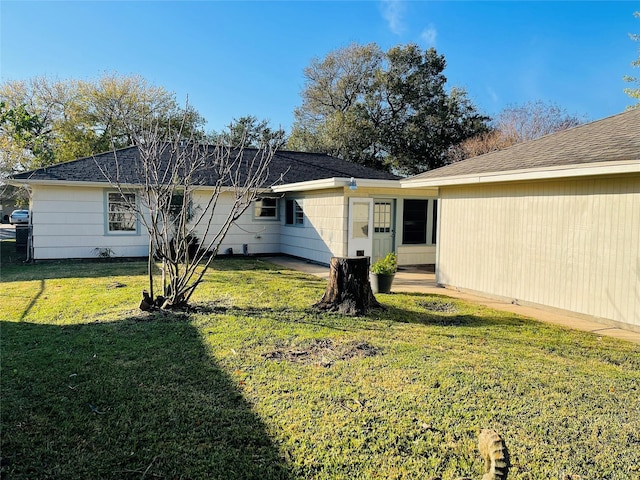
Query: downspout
point(30, 234)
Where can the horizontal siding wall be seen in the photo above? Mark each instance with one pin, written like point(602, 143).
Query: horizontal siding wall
point(260, 236)
point(324, 232)
point(572, 245)
point(69, 222)
point(416, 254)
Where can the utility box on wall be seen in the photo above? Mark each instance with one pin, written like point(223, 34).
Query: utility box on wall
point(22, 238)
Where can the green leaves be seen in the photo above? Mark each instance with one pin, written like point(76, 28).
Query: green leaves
point(384, 110)
point(46, 121)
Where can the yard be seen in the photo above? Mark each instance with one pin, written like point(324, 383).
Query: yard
point(254, 384)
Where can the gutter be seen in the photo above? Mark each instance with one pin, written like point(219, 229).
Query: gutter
point(334, 182)
point(546, 173)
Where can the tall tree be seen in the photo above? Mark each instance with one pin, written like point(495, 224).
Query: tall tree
point(250, 131)
point(386, 110)
point(81, 118)
point(516, 124)
point(24, 140)
point(634, 92)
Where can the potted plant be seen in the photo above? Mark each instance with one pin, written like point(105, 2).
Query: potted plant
point(382, 273)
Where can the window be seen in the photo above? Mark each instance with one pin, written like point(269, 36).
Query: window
point(294, 215)
point(360, 220)
point(176, 205)
point(121, 213)
point(414, 222)
point(266, 208)
point(382, 217)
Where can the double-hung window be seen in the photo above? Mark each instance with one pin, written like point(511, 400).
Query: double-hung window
point(121, 213)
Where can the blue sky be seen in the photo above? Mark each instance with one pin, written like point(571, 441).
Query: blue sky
point(247, 58)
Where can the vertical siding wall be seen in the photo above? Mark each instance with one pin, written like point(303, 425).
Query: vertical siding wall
point(323, 234)
point(572, 245)
point(69, 222)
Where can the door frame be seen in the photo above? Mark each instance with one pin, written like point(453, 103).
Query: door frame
point(392, 226)
point(358, 244)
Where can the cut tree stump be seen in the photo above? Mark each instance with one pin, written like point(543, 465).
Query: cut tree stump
point(348, 291)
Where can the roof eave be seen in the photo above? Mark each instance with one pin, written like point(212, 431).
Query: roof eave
point(68, 183)
point(35, 181)
point(335, 182)
point(547, 173)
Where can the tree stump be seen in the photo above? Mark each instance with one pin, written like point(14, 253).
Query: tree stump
point(348, 291)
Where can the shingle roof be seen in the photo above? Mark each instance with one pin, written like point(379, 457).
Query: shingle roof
point(611, 139)
point(295, 167)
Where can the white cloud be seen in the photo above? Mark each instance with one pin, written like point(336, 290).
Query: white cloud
point(393, 13)
point(428, 36)
point(492, 94)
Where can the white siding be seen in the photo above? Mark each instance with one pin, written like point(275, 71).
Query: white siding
point(69, 222)
point(572, 245)
point(259, 235)
point(323, 234)
point(416, 254)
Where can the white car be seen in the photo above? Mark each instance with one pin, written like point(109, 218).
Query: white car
point(19, 216)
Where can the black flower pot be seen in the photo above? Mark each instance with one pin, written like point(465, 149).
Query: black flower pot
point(381, 282)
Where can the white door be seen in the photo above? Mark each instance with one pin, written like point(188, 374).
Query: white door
point(359, 242)
point(383, 231)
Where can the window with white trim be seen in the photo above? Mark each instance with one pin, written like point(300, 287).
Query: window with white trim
point(121, 213)
point(382, 217)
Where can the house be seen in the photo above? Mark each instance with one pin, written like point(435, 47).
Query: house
point(313, 211)
point(553, 222)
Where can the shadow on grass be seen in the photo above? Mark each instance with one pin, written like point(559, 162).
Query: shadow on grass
point(14, 268)
point(441, 310)
point(128, 399)
point(33, 301)
point(377, 319)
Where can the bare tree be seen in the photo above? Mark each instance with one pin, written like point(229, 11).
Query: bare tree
point(634, 91)
point(521, 123)
point(516, 124)
point(186, 195)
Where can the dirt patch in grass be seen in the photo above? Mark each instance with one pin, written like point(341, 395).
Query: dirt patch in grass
point(438, 306)
point(323, 352)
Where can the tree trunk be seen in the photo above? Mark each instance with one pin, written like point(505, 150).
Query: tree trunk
point(348, 291)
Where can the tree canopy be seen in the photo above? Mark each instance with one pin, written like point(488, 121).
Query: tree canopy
point(248, 131)
point(385, 110)
point(46, 121)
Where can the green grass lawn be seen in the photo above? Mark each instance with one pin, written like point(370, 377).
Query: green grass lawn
point(254, 384)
